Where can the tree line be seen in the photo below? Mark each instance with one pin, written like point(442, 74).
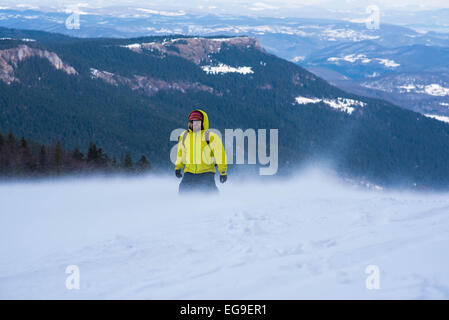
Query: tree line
point(22, 157)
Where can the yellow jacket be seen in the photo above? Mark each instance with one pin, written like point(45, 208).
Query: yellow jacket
point(196, 156)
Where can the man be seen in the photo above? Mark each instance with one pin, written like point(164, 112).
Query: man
point(199, 152)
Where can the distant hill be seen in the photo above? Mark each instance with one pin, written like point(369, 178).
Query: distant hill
point(415, 76)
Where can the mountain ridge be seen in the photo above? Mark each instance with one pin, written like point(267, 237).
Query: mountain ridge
point(376, 140)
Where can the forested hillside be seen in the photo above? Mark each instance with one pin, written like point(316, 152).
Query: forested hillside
point(127, 95)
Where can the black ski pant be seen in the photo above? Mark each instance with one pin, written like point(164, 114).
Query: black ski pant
point(202, 182)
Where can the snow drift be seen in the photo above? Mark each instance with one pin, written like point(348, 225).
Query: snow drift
point(306, 237)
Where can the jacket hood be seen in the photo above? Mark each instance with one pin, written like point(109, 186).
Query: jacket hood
point(205, 119)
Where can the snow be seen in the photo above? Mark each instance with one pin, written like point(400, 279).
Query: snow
point(432, 89)
point(298, 59)
point(304, 100)
point(408, 87)
point(223, 68)
point(348, 34)
point(436, 90)
point(132, 46)
point(137, 47)
point(363, 59)
point(308, 237)
point(437, 117)
point(341, 104)
point(24, 39)
point(95, 73)
point(350, 58)
point(220, 39)
point(326, 33)
point(388, 63)
point(163, 13)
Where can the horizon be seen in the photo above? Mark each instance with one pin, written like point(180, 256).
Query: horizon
point(408, 13)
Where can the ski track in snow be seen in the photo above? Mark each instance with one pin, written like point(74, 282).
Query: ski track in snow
point(305, 238)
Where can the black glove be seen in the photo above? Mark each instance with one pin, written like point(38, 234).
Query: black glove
point(223, 178)
point(178, 173)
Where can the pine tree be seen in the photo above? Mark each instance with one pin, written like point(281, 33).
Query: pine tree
point(106, 160)
point(92, 153)
point(43, 159)
point(77, 155)
point(11, 141)
point(102, 158)
point(26, 158)
point(143, 164)
point(127, 162)
point(23, 143)
point(58, 155)
point(10, 155)
point(2, 156)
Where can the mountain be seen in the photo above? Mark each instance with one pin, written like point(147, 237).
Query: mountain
point(127, 95)
point(402, 45)
point(287, 37)
point(369, 59)
point(414, 77)
point(355, 51)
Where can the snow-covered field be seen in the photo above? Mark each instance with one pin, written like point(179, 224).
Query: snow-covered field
point(308, 237)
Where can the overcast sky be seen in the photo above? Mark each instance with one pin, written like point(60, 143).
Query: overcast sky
point(243, 7)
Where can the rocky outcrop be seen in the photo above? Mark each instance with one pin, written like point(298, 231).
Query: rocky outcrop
point(148, 85)
point(195, 49)
point(9, 59)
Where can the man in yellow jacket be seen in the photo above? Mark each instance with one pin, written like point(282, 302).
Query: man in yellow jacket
point(199, 152)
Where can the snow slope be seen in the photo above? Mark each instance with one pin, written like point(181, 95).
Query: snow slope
point(308, 237)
